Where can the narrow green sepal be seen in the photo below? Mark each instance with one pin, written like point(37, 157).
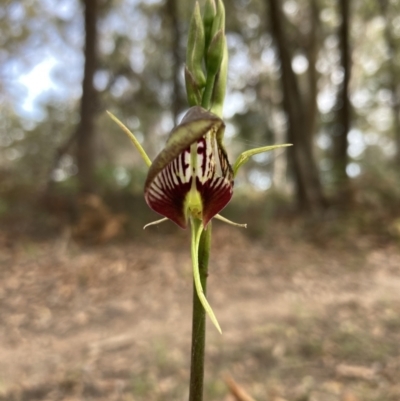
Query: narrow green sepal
point(215, 53)
point(244, 157)
point(227, 221)
point(195, 48)
point(155, 223)
point(132, 138)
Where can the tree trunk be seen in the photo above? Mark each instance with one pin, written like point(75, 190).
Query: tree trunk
point(312, 55)
point(342, 126)
point(308, 186)
point(171, 9)
point(394, 85)
point(86, 129)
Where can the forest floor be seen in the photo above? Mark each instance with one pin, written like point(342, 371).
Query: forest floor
point(300, 321)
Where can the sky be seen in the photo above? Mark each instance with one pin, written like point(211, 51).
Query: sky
point(32, 75)
point(35, 83)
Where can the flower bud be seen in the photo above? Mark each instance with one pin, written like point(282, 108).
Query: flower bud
point(195, 47)
point(210, 11)
point(192, 89)
point(218, 95)
point(219, 19)
point(215, 53)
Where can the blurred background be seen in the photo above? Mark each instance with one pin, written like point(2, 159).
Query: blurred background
point(324, 218)
point(322, 75)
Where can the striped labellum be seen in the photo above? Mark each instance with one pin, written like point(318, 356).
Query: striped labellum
point(191, 176)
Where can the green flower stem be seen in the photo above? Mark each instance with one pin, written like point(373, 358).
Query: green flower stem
point(199, 321)
point(208, 92)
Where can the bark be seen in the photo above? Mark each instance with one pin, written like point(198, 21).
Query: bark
point(340, 140)
point(172, 12)
point(394, 84)
point(308, 186)
point(312, 55)
point(86, 128)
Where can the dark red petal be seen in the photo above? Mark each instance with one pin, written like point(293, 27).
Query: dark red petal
point(215, 195)
point(166, 193)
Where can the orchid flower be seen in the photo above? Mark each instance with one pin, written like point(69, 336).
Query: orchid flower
point(191, 179)
point(183, 180)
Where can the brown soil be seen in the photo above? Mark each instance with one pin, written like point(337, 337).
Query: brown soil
point(113, 322)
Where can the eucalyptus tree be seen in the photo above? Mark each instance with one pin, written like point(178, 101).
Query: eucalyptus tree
point(86, 127)
point(309, 191)
point(343, 106)
point(390, 10)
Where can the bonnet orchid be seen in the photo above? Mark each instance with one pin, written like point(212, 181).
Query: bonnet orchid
point(183, 180)
point(191, 179)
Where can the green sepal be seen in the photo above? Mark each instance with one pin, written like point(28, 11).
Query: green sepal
point(244, 157)
point(195, 47)
point(197, 229)
point(221, 218)
point(132, 138)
